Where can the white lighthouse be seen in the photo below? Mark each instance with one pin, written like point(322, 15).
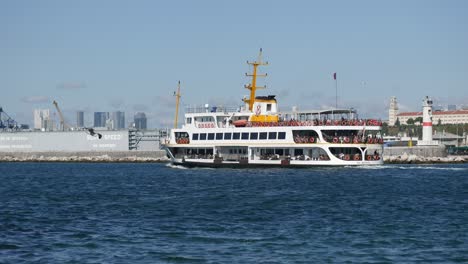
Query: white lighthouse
point(427, 124)
point(392, 111)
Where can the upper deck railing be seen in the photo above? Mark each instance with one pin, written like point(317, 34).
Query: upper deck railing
point(328, 122)
point(212, 109)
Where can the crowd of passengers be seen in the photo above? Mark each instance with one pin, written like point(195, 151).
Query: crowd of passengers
point(298, 157)
point(340, 139)
point(357, 156)
point(354, 139)
point(318, 122)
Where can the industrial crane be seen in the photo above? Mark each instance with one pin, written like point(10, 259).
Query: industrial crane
point(63, 125)
point(6, 121)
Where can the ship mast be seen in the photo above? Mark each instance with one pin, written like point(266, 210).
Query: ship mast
point(177, 95)
point(253, 86)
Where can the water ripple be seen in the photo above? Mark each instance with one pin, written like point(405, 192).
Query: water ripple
point(152, 213)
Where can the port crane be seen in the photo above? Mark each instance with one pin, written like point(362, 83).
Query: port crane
point(6, 122)
point(63, 124)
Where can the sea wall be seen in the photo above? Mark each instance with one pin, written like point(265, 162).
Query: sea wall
point(160, 156)
point(419, 151)
point(414, 159)
point(85, 156)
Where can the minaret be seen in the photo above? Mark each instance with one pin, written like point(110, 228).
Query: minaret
point(427, 122)
point(392, 111)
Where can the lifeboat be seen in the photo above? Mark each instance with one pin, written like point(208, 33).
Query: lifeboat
point(240, 123)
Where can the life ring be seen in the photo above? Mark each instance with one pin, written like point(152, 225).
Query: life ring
point(335, 140)
point(314, 123)
point(357, 157)
point(369, 141)
point(346, 139)
point(346, 157)
point(376, 157)
point(311, 139)
point(344, 123)
point(355, 140)
point(369, 157)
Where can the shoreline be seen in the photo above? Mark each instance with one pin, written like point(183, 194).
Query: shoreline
point(160, 157)
point(412, 159)
point(97, 157)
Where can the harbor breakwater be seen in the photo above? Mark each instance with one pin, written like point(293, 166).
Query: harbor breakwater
point(83, 156)
point(160, 156)
point(415, 159)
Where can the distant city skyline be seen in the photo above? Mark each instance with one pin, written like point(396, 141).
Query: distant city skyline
point(122, 56)
point(140, 120)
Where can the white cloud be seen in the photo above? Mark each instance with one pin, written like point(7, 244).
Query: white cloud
point(35, 99)
point(71, 86)
point(117, 103)
point(140, 108)
point(164, 101)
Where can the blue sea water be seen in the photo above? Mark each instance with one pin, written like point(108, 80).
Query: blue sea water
point(155, 213)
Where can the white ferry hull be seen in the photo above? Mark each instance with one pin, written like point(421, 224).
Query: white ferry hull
point(253, 160)
point(270, 164)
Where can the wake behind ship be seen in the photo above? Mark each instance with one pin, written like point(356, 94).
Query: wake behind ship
point(258, 134)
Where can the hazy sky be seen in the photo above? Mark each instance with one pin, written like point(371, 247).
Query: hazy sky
point(129, 55)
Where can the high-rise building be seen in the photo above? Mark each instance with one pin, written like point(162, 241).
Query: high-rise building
point(100, 119)
point(79, 119)
point(451, 108)
point(392, 111)
point(437, 108)
point(140, 120)
point(118, 120)
point(41, 116)
point(48, 125)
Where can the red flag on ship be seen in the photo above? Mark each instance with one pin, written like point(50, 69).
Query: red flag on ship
point(334, 76)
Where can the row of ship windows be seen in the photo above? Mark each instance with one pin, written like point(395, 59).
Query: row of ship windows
point(239, 135)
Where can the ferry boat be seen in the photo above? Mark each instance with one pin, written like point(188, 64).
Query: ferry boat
point(258, 134)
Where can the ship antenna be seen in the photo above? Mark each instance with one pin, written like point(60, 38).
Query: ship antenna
point(177, 95)
point(253, 86)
